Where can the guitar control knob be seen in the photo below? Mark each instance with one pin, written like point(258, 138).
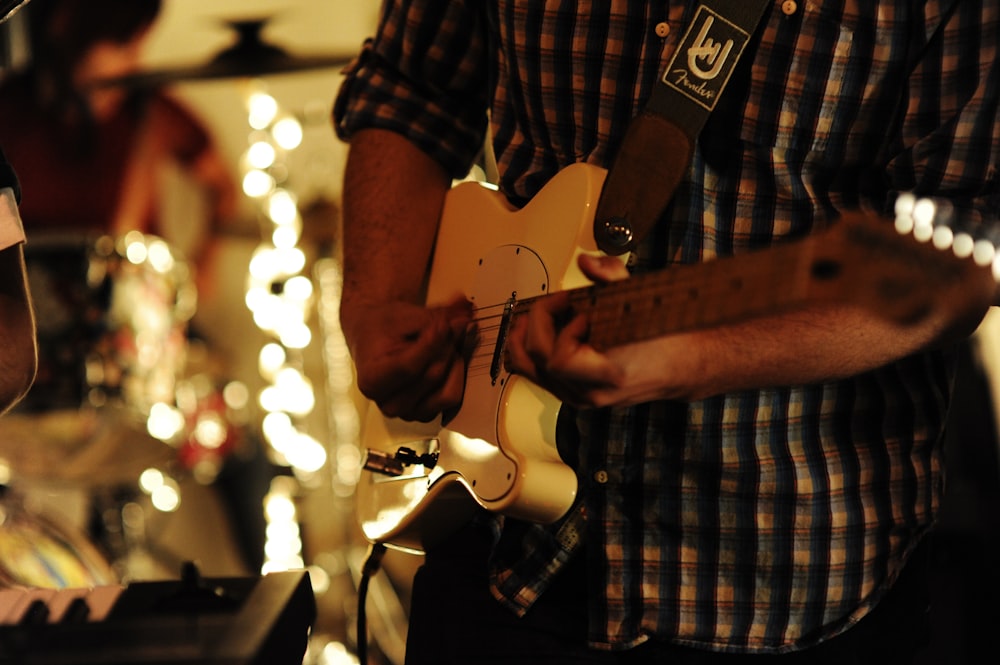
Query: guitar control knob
point(410, 456)
point(384, 463)
point(615, 235)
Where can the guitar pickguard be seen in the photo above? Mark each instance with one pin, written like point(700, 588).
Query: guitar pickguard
point(498, 451)
point(506, 275)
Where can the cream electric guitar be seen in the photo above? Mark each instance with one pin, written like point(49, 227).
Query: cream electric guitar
point(498, 452)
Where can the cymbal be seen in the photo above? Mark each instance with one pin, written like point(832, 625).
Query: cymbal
point(250, 56)
point(9, 7)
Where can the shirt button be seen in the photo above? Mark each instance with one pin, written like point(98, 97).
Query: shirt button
point(662, 29)
point(789, 7)
point(601, 476)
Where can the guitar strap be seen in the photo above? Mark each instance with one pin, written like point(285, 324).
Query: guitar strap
point(659, 142)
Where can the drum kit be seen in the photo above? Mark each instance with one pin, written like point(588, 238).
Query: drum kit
point(112, 316)
point(111, 331)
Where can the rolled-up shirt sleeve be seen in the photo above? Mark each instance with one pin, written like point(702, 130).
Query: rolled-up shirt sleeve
point(951, 130)
point(425, 76)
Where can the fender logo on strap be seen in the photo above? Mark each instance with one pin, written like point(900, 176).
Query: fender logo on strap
point(705, 58)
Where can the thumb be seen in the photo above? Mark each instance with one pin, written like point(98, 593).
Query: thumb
point(602, 269)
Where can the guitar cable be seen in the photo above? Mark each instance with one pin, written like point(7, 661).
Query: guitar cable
point(370, 567)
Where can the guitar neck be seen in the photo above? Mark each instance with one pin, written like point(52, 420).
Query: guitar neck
point(859, 260)
point(695, 296)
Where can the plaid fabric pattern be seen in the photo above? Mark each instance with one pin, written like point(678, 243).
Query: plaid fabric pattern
point(762, 521)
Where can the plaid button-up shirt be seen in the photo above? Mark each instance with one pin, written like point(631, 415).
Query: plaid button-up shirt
point(768, 520)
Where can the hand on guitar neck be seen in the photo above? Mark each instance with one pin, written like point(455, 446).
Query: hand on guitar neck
point(549, 345)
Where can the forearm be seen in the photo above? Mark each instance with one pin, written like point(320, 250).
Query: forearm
point(817, 345)
point(408, 357)
point(393, 195)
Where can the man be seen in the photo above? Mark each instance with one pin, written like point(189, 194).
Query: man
point(759, 491)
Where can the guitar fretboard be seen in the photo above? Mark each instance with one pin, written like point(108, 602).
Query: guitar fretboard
point(857, 260)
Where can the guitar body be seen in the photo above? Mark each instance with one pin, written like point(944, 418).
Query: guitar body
point(498, 451)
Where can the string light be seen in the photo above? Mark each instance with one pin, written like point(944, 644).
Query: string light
point(280, 299)
point(283, 543)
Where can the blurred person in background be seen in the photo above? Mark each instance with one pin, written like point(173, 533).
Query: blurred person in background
point(89, 152)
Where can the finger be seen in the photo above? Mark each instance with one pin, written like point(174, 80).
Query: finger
point(586, 368)
point(529, 339)
point(541, 327)
point(575, 361)
point(439, 384)
point(447, 393)
point(447, 398)
point(459, 307)
point(426, 401)
point(516, 359)
point(576, 372)
point(602, 269)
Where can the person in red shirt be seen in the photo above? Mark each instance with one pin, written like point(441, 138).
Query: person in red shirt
point(88, 154)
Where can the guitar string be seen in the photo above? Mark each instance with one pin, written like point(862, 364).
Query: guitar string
point(607, 314)
point(629, 291)
point(652, 304)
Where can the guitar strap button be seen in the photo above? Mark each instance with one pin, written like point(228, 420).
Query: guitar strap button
point(615, 235)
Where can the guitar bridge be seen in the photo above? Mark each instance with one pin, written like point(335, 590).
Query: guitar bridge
point(496, 365)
